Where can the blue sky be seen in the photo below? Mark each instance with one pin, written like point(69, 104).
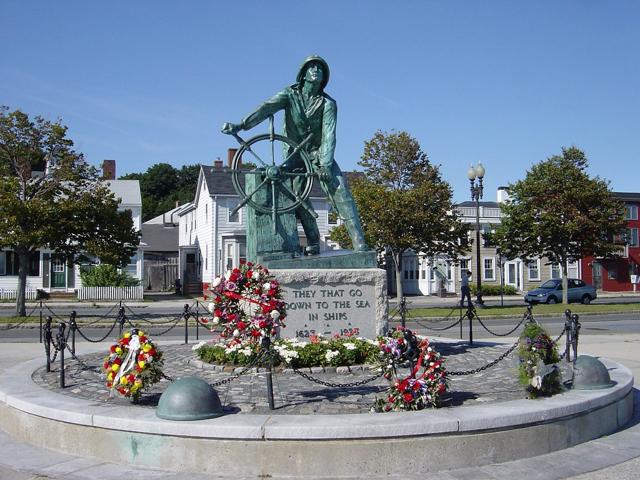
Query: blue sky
point(502, 82)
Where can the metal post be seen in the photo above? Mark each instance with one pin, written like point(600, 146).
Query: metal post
point(47, 342)
point(470, 315)
point(186, 323)
point(461, 317)
point(62, 347)
point(121, 319)
point(266, 345)
point(575, 334)
point(197, 320)
point(403, 311)
point(479, 300)
point(73, 326)
point(40, 321)
point(501, 278)
point(568, 329)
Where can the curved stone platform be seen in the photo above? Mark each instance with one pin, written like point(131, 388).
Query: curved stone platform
point(316, 446)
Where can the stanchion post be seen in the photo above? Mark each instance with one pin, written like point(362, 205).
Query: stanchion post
point(47, 342)
point(121, 319)
point(470, 315)
point(73, 326)
point(568, 327)
point(403, 311)
point(186, 323)
point(266, 346)
point(461, 317)
point(575, 333)
point(40, 321)
point(197, 320)
point(62, 347)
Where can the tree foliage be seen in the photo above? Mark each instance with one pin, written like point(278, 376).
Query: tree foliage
point(50, 197)
point(105, 275)
point(558, 211)
point(403, 201)
point(162, 185)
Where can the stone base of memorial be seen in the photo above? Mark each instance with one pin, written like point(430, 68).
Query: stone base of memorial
point(324, 298)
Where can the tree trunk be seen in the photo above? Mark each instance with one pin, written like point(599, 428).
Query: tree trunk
point(565, 283)
point(397, 262)
point(23, 270)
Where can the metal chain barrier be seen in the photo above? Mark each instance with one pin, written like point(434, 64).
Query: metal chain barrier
point(157, 334)
point(54, 314)
point(115, 322)
point(102, 317)
point(488, 365)
point(16, 325)
point(501, 334)
point(244, 371)
point(438, 329)
point(313, 379)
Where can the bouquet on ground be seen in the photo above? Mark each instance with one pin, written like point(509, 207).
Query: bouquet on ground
point(427, 379)
point(247, 303)
point(538, 355)
point(134, 364)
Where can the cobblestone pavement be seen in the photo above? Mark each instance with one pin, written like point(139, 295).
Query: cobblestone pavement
point(294, 394)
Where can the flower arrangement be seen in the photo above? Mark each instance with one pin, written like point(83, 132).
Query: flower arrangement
point(318, 351)
point(538, 354)
point(427, 378)
point(134, 363)
point(247, 303)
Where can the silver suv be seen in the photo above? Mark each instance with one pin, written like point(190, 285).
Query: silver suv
point(551, 292)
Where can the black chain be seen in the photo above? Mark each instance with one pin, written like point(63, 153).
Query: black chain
point(244, 371)
point(438, 329)
point(560, 336)
point(501, 334)
point(488, 365)
point(101, 339)
point(101, 318)
point(83, 364)
point(164, 331)
point(338, 385)
point(16, 325)
point(54, 314)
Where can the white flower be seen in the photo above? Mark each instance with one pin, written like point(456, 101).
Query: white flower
point(198, 345)
point(429, 349)
point(533, 349)
point(218, 280)
point(331, 354)
point(325, 342)
point(266, 286)
point(275, 314)
point(236, 333)
point(211, 307)
point(227, 275)
point(215, 320)
point(349, 346)
point(246, 351)
point(536, 382)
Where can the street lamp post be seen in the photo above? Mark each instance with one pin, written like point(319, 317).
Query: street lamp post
point(474, 173)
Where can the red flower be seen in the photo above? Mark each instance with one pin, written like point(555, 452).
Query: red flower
point(118, 361)
point(125, 341)
point(112, 349)
point(391, 399)
point(407, 397)
point(442, 388)
point(152, 352)
point(242, 325)
point(143, 339)
point(255, 333)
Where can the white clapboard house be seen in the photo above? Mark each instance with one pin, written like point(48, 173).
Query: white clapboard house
point(51, 273)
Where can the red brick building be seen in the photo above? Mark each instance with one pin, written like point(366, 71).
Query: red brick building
point(617, 275)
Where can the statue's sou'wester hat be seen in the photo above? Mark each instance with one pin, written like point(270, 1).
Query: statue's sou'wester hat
point(314, 59)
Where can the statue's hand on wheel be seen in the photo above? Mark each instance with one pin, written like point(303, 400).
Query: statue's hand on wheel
point(324, 173)
point(231, 128)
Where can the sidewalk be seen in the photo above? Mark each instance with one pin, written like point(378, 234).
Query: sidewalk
point(608, 457)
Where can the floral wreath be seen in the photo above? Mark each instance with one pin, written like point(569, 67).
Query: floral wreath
point(427, 378)
point(538, 355)
point(133, 364)
point(247, 302)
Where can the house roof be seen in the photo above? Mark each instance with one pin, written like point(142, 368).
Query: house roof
point(160, 238)
point(166, 217)
point(126, 190)
point(629, 196)
point(482, 204)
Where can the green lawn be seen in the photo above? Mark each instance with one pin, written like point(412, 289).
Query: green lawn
point(517, 311)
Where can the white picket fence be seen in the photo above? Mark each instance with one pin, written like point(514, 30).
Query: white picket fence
point(111, 293)
point(7, 294)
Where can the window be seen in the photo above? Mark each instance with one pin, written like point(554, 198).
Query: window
point(229, 256)
point(533, 266)
point(206, 257)
point(485, 235)
point(631, 212)
point(572, 269)
point(489, 269)
point(243, 253)
point(132, 268)
point(464, 266)
point(555, 271)
point(11, 264)
point(2, 257)
point(632, 237)
point(206, 213)
point(233, 218)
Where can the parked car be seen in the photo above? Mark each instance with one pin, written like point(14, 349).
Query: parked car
point(551, 292)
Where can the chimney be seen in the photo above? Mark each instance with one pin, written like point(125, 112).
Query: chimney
point(217, 163)
point(109, 170)
point(502, 194)
point(177, 203)
point(230, 154)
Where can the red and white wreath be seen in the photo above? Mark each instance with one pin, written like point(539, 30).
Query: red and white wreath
point(247, 302)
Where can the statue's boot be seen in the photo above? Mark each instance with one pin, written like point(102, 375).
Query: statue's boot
point(310, 227)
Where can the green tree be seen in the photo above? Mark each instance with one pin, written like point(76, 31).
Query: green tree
point(50, 197)
point(403, 202)
point(105, 275)
point(558, 211)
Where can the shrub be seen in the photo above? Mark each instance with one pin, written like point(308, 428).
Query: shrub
point(105, 275)
point(494, 290)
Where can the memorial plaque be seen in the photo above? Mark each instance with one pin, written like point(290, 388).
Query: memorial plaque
point(329, 302)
